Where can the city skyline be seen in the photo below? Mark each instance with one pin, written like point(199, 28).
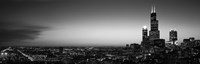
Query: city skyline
point(93, 23)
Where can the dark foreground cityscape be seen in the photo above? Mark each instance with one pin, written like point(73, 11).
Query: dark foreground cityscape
point(152, 50)
point(186, 53)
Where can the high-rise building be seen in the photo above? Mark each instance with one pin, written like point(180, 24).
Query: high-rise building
point(173, 36)
point(154, 33)
point(145, 34)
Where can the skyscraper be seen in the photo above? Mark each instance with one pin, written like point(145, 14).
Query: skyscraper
point(173, 36)
point(145, 34)
point(154, 33)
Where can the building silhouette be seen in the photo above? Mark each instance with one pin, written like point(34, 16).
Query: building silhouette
point(145, 34)
point(173, 36)
point(145, 38)
point(154, 33)
point(151, 41)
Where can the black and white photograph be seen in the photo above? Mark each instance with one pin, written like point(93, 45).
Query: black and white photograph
point(99, 31)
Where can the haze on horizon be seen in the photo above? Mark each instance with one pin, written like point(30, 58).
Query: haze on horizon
point(93, 22)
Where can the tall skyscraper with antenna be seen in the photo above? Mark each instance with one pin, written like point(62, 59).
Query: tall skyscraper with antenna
point(154, 33)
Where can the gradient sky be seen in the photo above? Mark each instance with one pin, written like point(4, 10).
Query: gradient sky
point(93, 22)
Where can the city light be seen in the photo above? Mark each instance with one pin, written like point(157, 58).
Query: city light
point(144, 27)
point(2, 53)
point(152, 50)
point(6, 53)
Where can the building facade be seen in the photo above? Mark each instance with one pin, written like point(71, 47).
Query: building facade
point(173, 36)
point(145, 34)
point(154, 33)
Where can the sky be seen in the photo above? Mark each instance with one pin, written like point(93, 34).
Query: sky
point(93, 22)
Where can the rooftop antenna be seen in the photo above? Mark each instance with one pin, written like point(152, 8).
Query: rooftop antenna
point(153, 9)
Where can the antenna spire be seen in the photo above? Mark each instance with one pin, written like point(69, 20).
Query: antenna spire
point(153, 9)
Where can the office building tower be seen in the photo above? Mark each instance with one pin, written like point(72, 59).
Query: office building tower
point(145, 34)
point(173, 36)
point(154, 33)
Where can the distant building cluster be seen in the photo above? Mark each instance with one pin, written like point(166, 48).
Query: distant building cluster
point(153, 38)
point(158, 51)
